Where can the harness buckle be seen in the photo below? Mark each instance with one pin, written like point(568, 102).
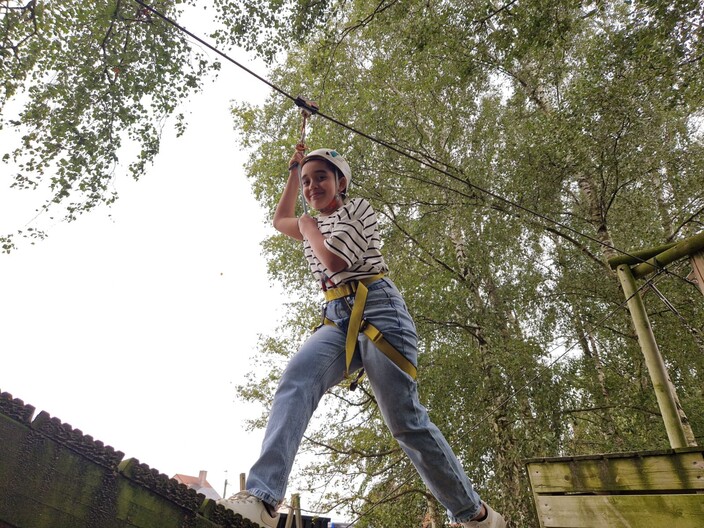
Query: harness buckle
point(355, 383)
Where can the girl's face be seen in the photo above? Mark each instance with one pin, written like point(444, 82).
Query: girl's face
point(320, 186)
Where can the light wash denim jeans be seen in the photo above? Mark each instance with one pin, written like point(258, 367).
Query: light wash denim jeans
point(320, 364)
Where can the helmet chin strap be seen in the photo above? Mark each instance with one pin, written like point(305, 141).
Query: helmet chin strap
point(336, 203)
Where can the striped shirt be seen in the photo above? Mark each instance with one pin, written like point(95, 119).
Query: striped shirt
point(352, 234)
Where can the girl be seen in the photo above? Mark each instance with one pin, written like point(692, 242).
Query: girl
point(367, 326)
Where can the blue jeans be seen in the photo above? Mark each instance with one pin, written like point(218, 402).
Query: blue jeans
point(320, 364)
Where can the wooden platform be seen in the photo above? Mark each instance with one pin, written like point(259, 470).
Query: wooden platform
point(653, 489)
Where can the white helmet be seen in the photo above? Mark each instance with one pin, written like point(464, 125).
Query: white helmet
point(333, 157)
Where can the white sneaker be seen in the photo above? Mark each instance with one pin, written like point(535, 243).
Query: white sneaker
point(493, 520)
point(250, 508)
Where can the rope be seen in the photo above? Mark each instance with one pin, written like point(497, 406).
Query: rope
point(308, 108)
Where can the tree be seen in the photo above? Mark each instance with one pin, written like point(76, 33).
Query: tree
point(564, 133)
point(524, 144)
point(94, 82)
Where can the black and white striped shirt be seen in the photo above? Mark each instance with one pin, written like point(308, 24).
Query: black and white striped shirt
point(352, 234)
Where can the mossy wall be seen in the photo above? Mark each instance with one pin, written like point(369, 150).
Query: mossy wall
point(54, 476)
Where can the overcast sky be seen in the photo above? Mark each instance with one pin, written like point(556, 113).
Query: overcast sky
point(134, 323)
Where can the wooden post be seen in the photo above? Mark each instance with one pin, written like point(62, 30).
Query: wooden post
point(296, 499)
point(664, 390)
point(294, 511)
point(636, 256)
point(243, 481)
point(289, 517)
point(683, 248)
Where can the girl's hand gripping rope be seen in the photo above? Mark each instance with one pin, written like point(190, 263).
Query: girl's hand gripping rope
point(297, 157)
point(285, 218)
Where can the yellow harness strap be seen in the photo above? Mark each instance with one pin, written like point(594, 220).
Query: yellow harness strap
point(360, 300)
point(357, 324)
point(376, 337)
point(347, 289)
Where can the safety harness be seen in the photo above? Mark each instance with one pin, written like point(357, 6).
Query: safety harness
point(357, 324)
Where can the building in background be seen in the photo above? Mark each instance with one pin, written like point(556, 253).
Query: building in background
point(199, 483)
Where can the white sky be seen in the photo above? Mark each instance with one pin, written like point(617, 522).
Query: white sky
point(135, 323)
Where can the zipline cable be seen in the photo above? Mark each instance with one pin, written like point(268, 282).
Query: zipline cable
point(429, 162)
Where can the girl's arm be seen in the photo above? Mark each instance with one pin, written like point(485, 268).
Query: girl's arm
point(285, 220)
point(308, 226)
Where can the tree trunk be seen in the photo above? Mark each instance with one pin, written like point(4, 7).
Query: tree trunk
point(597, 215)
point(603, 400)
